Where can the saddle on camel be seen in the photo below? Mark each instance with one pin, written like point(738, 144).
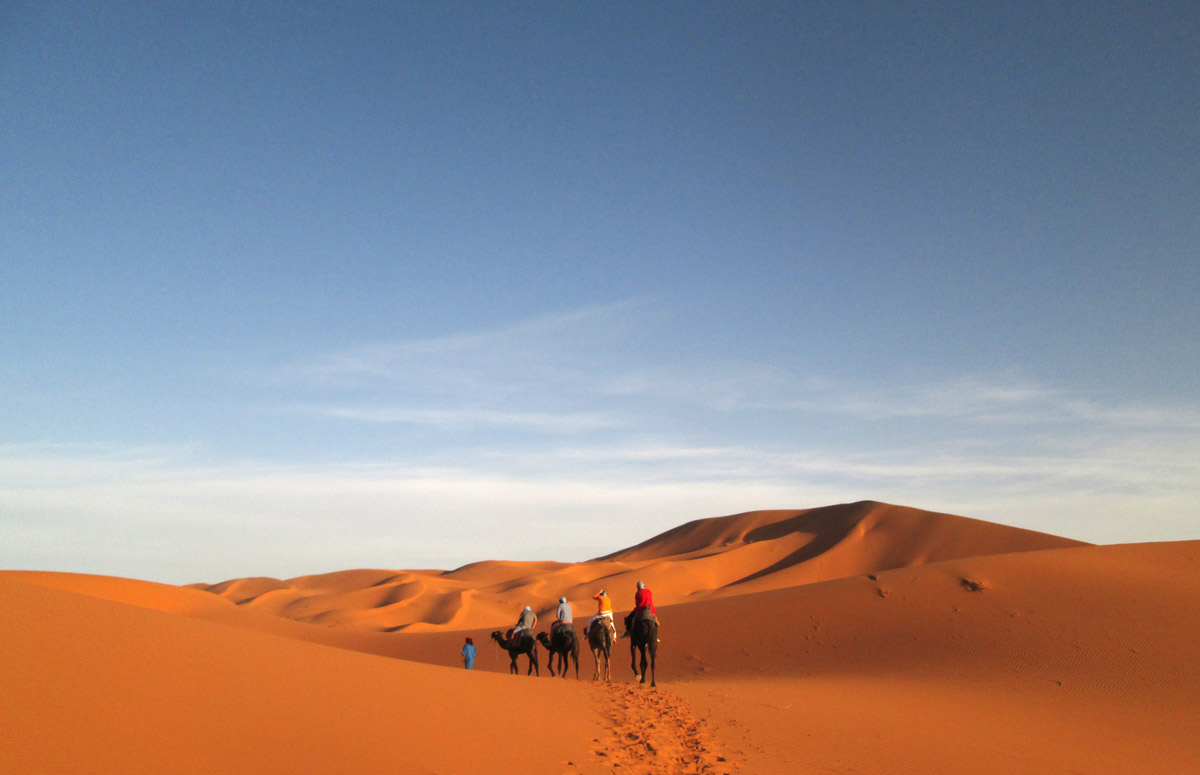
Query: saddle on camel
point(513, 638)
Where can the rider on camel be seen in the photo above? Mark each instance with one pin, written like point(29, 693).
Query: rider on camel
point(603, 611)
point(564, 614)
point(642, 601)
point(525, 623)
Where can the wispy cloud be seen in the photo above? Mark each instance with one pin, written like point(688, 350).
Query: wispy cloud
point(537, 376)
point(597, 368)
point(556, 348)
point(995, 400)
point(562, 422)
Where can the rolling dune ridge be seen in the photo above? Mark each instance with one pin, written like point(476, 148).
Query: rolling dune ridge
point(704, 559)
point(855, 638)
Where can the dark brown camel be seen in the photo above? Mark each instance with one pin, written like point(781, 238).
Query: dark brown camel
point(642, 638)
point(600, 640)
point(524, 644)
point(561, 642)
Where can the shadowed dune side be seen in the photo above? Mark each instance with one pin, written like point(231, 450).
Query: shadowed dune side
point(243, 591)
point(375, 600)
point(366, 600)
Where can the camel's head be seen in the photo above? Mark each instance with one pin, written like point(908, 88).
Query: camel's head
point(543, 639)
point(498, 636)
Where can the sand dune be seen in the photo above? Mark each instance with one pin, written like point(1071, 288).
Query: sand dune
point(707, 558)
point(1075, 660)
point(96, 686)
point(855, 638)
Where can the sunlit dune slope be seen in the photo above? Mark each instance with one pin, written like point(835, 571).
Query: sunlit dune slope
point(202, 605)
point(92, 685)
point(707, 558)
point(1071, 660)
point(145, 594)
point(1127, 608)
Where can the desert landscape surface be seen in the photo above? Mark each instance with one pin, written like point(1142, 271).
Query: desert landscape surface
point(858, 638)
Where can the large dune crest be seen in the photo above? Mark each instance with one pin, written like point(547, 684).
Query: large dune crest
point(715, 557)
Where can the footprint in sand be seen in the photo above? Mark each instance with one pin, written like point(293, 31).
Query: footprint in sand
point(651, 732)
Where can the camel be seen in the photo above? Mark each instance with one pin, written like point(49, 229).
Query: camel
point(525, 644)
point(561, 642)
point(643, 637)
point(600, 640)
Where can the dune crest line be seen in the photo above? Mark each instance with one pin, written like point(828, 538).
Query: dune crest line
point(703, 559)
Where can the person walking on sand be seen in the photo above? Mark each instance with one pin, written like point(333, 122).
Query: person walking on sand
point(468, 654)
point(603, 611)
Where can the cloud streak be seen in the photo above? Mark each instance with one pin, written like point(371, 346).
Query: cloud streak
point(541, 436)
point(553, 348)
point(574, 368)
point(462, 417)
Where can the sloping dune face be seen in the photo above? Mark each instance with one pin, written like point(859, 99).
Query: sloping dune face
point(764, 550)
point(92, 685)
point(716, 557)
point(1071, 660)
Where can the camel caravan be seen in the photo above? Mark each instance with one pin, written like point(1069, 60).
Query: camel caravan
point(562, 642)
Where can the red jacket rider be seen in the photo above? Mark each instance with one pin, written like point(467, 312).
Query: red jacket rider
point(643, 599)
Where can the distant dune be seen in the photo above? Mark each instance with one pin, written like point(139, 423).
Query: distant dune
point(707, 558)
point(856, 638)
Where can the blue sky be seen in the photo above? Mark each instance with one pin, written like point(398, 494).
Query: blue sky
point(296, 287)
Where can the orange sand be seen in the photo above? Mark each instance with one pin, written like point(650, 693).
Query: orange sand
point(855, 638)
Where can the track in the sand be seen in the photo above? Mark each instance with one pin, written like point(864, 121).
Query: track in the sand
point(652, 732)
